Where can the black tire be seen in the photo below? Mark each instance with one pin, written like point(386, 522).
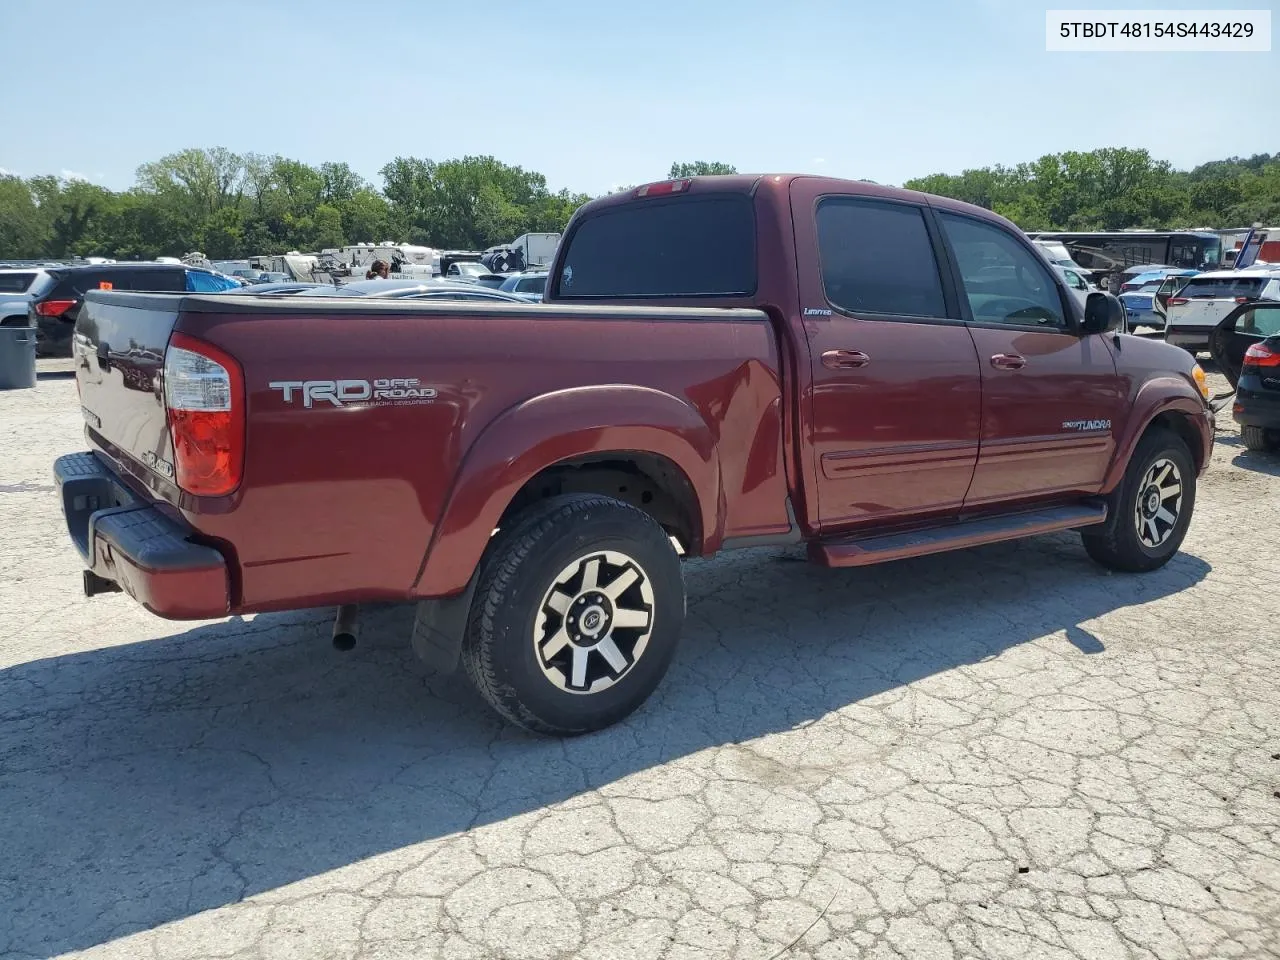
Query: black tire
point(1257, 439)
point(514, 623)
point(1125, 541)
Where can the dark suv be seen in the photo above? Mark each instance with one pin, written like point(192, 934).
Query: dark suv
point(57, 297)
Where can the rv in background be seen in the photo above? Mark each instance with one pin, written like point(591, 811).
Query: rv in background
point(529, 251)
point(1107, 255)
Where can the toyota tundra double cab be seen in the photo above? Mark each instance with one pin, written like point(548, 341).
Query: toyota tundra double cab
point(718, 362)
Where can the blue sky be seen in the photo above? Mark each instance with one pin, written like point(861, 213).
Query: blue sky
point(597, 94)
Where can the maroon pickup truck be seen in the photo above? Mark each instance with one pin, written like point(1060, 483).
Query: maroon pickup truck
point(719, 362)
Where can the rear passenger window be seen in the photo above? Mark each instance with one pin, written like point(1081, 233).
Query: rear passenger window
point(79, 282)
point(150, 281)
point(876, 258)
point(1003, 280)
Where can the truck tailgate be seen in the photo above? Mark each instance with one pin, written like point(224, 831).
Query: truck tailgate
point(118, 349)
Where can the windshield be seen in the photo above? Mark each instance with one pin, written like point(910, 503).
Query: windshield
point(469, 268)
point(15, 282)
point(685, 247)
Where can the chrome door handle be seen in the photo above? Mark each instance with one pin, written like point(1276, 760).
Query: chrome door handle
point(844, 359)
point(1008, 361)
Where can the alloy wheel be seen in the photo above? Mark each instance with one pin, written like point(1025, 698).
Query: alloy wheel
point(1159, 503)
point(594, 622)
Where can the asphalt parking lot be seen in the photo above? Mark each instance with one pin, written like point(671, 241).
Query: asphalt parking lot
point(1002, 753)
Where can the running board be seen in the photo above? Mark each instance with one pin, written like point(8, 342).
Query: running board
point(862, 551)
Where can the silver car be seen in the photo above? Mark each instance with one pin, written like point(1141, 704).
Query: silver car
point(16, 284)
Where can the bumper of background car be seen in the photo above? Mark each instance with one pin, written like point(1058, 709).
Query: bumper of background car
point(1188, 336)
point(1256, 407)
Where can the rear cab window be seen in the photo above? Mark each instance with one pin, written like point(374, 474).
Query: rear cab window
point(686, 246)
point(876, 258)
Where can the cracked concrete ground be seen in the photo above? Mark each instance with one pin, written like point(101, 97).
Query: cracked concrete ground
point(1002, 753)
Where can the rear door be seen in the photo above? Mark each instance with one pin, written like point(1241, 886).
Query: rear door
point(1052, 404)
point(1246, 325)
point(896, 394)
point(1166, 289)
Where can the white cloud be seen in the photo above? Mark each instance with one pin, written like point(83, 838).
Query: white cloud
point(819, 159)
point(72, 175)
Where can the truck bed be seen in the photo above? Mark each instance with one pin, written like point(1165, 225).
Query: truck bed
point(339, 501)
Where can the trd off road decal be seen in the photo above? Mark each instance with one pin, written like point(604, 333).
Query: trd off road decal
point(397, 392)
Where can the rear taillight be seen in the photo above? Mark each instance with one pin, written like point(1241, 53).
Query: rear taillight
point(1242, 299)
point(661, 189)
point(204, 397)
point(1177, 302)
point(54, 308)
point(1260, 355)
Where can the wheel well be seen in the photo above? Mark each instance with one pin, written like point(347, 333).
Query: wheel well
point(647, 481)
point(1180, 425)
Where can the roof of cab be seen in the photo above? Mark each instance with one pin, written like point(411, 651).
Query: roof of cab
point(781, 183)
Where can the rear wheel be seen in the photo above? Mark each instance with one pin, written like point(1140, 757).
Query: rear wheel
point(577, 615)
point(1258, 439)
point(1150, 511)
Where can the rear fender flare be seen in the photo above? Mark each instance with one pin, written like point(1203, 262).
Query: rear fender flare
point(1159, 395)
point(551, 429)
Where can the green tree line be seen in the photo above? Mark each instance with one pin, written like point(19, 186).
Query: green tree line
point(1115, 188)
point(230, 205)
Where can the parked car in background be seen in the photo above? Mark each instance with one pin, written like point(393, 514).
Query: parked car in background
point(1206, 299)
point(1057, 254)
point(273, 276)
point(468, 292)
point(58, 296)
point(466, 270)
point(1135, 277)
point(531, 284)
point(15, 294)
point(1171, 285)
point(1246, 347)
point(285, 289)
point(1139, 295)
point(416, 290)
point(1077, 283)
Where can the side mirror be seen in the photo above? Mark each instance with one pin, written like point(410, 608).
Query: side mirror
point(1103, 313)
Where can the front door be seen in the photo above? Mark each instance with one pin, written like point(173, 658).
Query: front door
point(1052, 404)
point(896, 394)
point(1239, 330)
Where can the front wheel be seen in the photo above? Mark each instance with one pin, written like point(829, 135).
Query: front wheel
point(1150, 511)
point(577, 615)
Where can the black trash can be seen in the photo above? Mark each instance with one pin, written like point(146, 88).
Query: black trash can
point(17, 357)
